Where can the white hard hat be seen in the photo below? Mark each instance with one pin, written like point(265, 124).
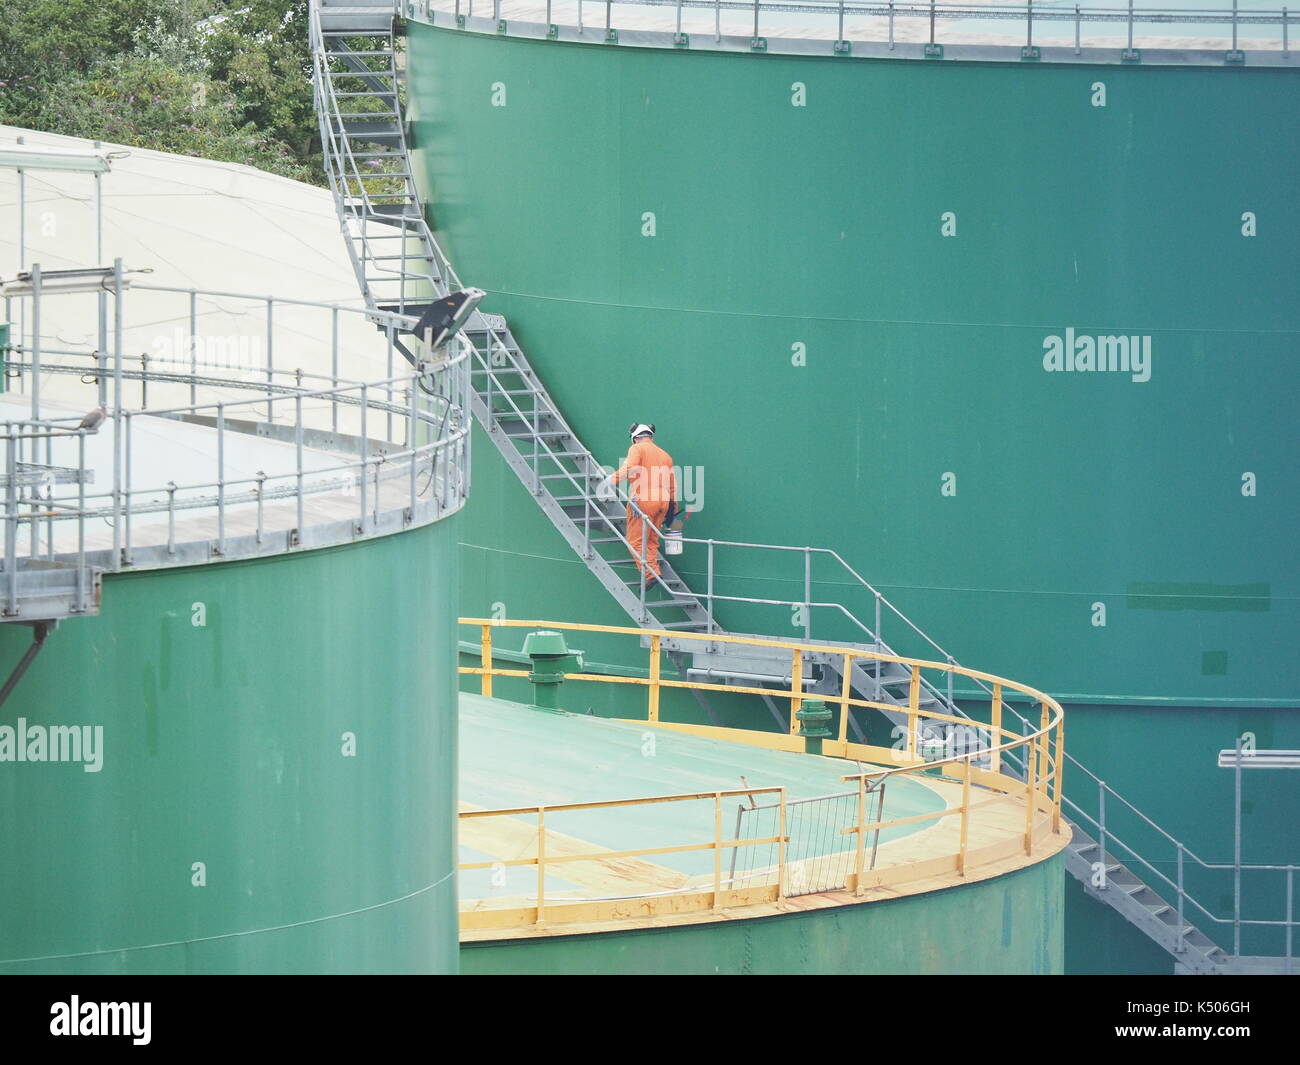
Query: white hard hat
point(640, 428)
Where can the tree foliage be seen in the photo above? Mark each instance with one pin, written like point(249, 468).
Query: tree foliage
point(222, 79)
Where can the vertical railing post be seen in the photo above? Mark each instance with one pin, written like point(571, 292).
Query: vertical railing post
point(913, 706)
point(11, 520)
point(807, 593)
point(846, 692)
point(1290, 911)
point(81, 518)
point(653, 707)
point(796, 689)
point(297, 446)
point(412, 431)
point(1078, 48)
point(1030, 789)
point(995, 722)
point(485, 642)
point(334, 369)
point(1234, 25)
point(709, 591)
point(1182, 944)
point(1130, 27)
point(717, 850)
point(780, 849)
point(1060, 769)
point(194, 347)
point(365, 456)
point(126, 490)
point(118, 328)
point(1236, 857)
point(860, 849)
point(171, 517)
point(270, 356)
point(36, 367)
point(1101, 829)
point(541, 865)
point(261, 499)
point(221, 479)
point(965, 817)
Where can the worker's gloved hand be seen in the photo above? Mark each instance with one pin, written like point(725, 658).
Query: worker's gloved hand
point(605, 490)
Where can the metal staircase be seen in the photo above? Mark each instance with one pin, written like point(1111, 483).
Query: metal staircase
point(357, 83)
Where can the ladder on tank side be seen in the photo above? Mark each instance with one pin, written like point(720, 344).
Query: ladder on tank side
point(398, 262)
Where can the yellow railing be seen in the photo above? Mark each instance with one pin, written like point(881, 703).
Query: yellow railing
point(1027, 819)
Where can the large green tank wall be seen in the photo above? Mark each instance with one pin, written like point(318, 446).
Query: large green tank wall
point(224, 744)
point(821, 225)
point(1012, 924)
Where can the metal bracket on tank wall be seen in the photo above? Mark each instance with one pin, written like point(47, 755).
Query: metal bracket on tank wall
point(1234, 57)
point(681, 40)
point(611, 35)
point(552, 32)
point(501, 26)
point(758, 44)
point(460, 22)
point(933, 50)
point(1031, 52)
point(1130, 55)
point(843, 48)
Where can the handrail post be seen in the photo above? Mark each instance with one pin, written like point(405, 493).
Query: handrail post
point(965, 817)
point(709, 594)
point(485, 643)
point(118, 329)
point(221, 479)
point(1236, 858)
point(1042, 750)
point(796, 689)
point(717, 851)
point(913, 707)
point(1290, 910)
point(1060, 768)
point(1077, 46)
point(780, 856)
point(860, 849)
point(194, 347)
point(1182, 945)
point(995, 720)
point(126, 489)
point(1101, 829)
point(653, 709)
point(846, 690)
point(270, 348)
point(541, 865)
point(1029, 797)
point(807, 593)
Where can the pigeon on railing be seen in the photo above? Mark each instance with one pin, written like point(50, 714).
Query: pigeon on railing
point(92, 421)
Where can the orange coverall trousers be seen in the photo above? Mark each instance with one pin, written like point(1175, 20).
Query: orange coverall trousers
point(643, 534)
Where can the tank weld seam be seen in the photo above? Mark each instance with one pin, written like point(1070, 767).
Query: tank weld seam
point(234, 935)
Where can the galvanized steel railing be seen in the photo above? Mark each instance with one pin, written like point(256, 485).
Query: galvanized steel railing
point(979, 765)
point(343, 458)
point(760, 25)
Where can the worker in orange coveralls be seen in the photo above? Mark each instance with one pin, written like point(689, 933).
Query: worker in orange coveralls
point(652, 485)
